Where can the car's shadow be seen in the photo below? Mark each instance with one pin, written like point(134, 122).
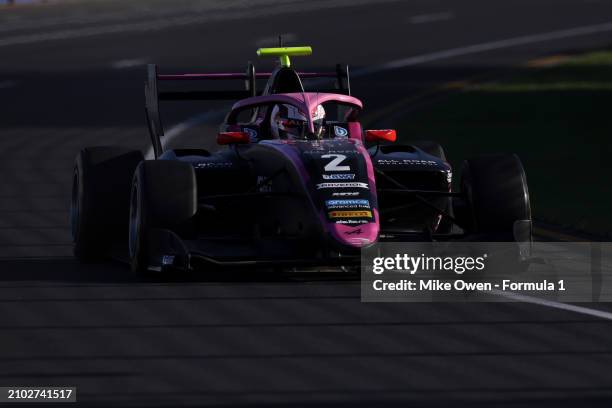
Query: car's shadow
point(68, 271)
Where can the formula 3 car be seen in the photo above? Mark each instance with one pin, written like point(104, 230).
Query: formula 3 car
point(296, 182)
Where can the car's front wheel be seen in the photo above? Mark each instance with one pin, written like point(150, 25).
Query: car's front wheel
point(163, 196)
point(496, 194)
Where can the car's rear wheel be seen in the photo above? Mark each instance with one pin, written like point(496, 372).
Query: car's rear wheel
point(99, 200)
point(137, 233)
point(496, 193)
point(163, 196)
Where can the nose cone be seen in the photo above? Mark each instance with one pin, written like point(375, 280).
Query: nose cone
point(355, 236)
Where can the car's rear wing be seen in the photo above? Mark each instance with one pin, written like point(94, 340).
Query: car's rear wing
point(153, 93)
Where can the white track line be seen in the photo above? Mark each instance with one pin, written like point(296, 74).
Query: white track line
point(555, 305)
point(229, 11)
point(483, 47)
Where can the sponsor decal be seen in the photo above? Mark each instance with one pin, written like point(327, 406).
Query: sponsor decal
point(338, 176)
point(345, 193)
point(352, 222)
point(252, 133)
point(342, 185)
point(353, 232)
point(213, 165)
point(340, 131)
point(265, 188)
point(315, 150)
point(395, 162)
point(348, 203)
point(350, 214)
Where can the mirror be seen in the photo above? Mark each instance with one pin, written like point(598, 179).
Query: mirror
point(380, 135)
point(226, 138)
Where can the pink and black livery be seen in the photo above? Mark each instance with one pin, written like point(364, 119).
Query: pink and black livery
point(260, 199)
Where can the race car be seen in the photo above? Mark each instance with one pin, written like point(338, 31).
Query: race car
point(295, 181)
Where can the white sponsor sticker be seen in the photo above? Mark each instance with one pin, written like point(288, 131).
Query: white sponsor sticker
point(345, 193)
point(266, 188)
point(407, 161)
point(342, 185)
point(213, 165)
point(354, 202)
point(351, 221)
point(338, 176)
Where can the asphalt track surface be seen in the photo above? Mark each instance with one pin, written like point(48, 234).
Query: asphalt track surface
point(71, 76)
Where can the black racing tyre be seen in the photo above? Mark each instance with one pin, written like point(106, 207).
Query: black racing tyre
point(100, 199)
point(163, 195)
point(431, 147)
point(497, 196)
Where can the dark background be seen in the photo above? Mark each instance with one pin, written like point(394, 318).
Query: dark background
point(71, 75)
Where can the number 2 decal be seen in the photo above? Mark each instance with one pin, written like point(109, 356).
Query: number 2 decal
point(334, 164)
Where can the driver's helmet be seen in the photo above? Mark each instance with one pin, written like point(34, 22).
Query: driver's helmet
point(288, 122)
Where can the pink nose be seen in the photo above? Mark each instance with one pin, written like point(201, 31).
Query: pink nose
point(355, 235)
